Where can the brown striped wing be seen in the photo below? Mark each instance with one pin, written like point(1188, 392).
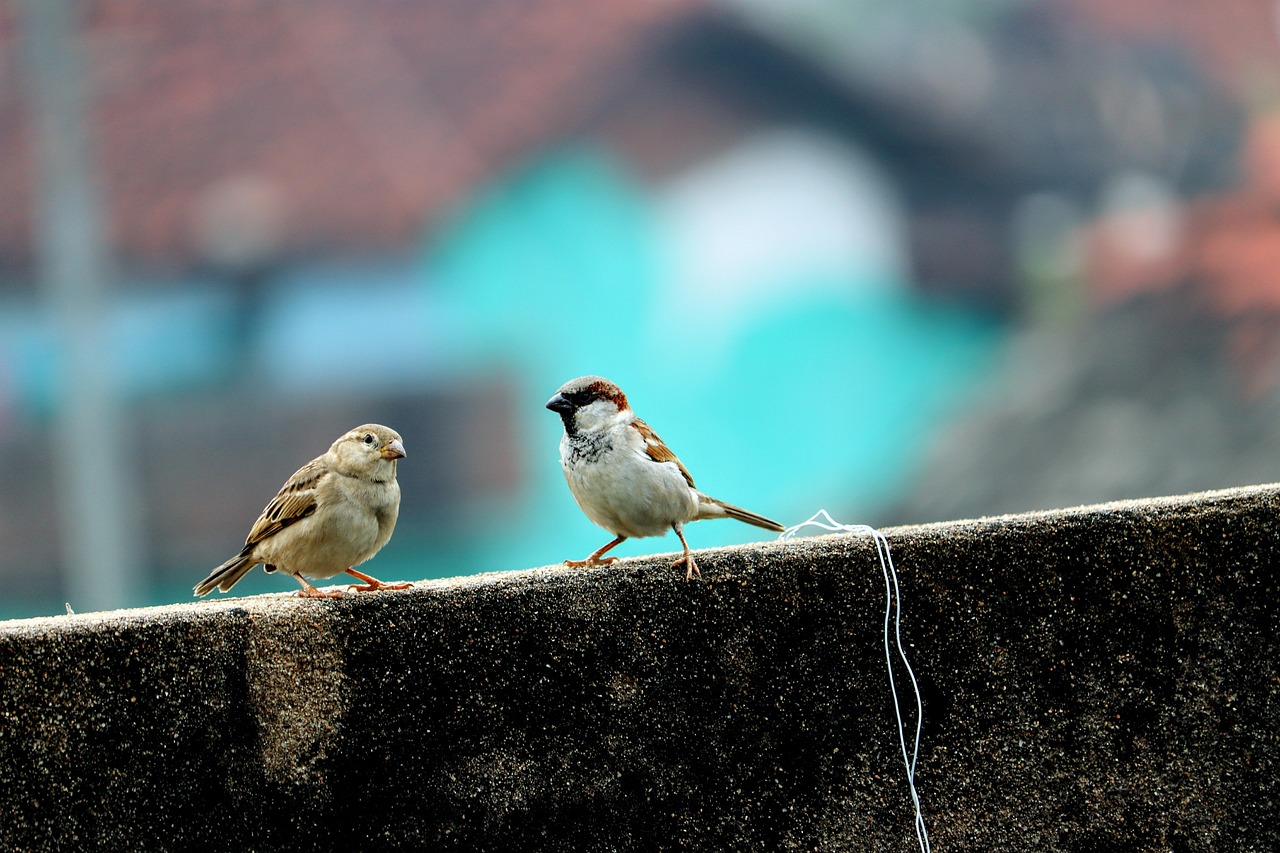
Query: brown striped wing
point(295, 501)
point(658, 450)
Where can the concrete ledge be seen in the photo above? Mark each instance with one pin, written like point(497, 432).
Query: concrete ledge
point(1099, 678)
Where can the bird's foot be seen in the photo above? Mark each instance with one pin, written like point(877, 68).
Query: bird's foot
point(377, 585)
point(311, 592)
point(691, 567)
point(372, 584)
point(591, 562)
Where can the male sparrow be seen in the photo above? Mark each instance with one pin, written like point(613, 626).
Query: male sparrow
point(334, 513)
point(622, 475)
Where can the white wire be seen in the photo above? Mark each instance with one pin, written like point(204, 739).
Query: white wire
point(822, 519)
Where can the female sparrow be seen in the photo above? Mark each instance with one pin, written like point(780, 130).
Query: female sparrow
point(334, 513)
point(622, 475)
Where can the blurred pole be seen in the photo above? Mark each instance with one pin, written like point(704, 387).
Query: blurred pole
point(100, 541)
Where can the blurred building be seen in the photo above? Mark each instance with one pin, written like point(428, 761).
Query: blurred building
point(1168, 381)
point(807, 229)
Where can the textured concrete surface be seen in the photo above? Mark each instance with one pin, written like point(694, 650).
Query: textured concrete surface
point(1094, 679)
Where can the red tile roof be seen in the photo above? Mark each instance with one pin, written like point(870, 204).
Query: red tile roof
point(347, 125)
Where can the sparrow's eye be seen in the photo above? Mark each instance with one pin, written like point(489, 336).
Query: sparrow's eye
point(368, 439)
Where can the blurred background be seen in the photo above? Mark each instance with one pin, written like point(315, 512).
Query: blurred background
point(902, 259)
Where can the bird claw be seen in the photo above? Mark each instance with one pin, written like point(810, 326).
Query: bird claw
point(691, 567)
point(312, 592)
point(372, 584)
point(378, 585)
point(590, 562)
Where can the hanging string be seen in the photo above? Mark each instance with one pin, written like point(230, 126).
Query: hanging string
point(892, 613)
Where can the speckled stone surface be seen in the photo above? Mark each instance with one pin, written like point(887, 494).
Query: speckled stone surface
point(1102, 678)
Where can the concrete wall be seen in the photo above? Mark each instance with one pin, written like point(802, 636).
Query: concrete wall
point(1094, 679)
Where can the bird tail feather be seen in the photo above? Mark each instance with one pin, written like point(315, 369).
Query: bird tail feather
point(709, 507)
point(227, 575)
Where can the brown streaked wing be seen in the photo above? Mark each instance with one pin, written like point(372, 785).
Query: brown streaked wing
point(295, 501)
point(659, 452)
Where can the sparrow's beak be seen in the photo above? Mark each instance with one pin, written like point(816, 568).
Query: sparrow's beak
point(393, 449)
point(559, 404)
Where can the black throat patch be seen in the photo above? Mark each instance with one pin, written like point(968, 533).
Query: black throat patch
point(585, 447)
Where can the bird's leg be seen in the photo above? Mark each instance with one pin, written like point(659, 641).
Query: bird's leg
point(309, 591)
point(691, 567)
point(372, 584)
point(594, 559)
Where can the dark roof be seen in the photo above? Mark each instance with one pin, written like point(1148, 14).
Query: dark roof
point(1235, 40)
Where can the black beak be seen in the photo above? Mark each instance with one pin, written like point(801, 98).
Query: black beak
point(559, 404)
